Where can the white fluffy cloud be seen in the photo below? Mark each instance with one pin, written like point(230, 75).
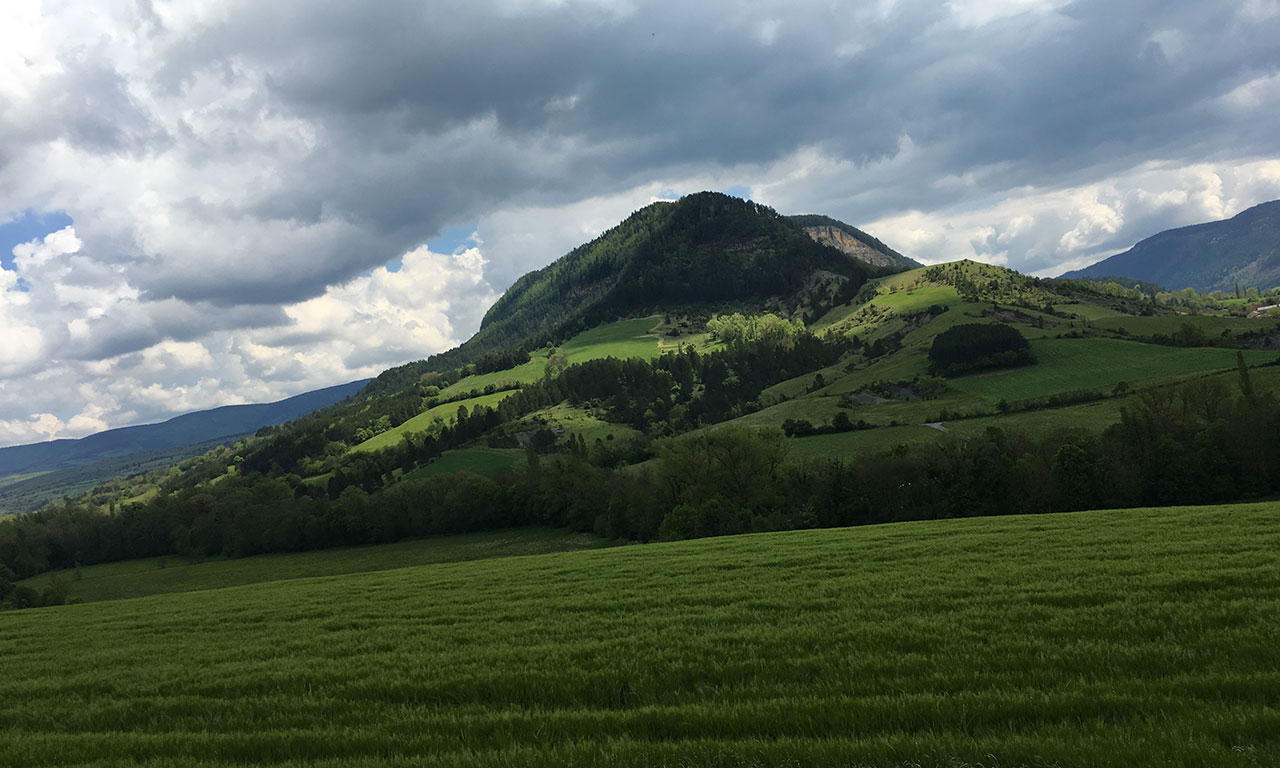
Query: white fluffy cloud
point(240, 173)
point(354, 330)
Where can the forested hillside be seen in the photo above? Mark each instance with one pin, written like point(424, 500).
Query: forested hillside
point(757, 397)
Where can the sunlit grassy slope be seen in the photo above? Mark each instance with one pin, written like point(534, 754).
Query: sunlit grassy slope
point(155, 576)
point(446, 412)
point(1120, 638)
point(1066, 365)
point(488, 462)
point(635, 337)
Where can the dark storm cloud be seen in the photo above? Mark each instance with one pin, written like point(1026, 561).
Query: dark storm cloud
point(222, 160)
point(431, 114)
point(149, 324)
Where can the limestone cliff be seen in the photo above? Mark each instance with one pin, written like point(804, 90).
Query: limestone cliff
point(852, 241)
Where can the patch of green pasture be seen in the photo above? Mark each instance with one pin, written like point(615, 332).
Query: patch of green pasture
point(816, 409)
point(577, 421)
point(1141, 637)
point(637, 337)
point(1068, 365)
point(489, 462)
point(143, 497)
point(447, 412)
point(139, 578)
point(17, 478)
point(525, 373)
point(1089, 310)
point(845, 445)
point(912, 416)
point(1211, 326)
point(903, 365)
point(1091, 417)
point(623, 339)
point(916, 299)
point(799, 385)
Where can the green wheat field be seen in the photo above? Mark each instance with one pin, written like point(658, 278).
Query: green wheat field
point(1121, 638)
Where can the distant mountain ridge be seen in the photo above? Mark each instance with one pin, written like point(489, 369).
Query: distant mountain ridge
point(852, 241)
point(187, 429)
point(1216, 256)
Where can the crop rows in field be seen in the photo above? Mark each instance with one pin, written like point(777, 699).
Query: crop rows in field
point(1121, 638)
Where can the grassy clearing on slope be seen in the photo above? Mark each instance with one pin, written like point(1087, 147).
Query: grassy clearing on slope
point(1092, 417)
point(623, 339)
point(1211, 326)
point(11, 479)
point(446, 412)
point(1067, 365)
point(576, 421)
point(526, 373)
point(489, 462)
point(1089, 311)
point(138, 578)
point(1119, 638)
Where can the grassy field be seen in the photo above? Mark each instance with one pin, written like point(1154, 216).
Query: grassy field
point(1094, 417)
point(138, 578)
point(623, 339)
point(1089, 311)
point(482, 461)
point(447, 412)
point(1121, 638)
point(1211, 326)
point(577, 421)
point(11, 479)
point(526, 373)
point(1067, 365)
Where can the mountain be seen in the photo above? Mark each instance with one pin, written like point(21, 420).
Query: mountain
point(706, 249)
point(1243, 250)
point(184, 430)
point(707, 368)
point(852, 241)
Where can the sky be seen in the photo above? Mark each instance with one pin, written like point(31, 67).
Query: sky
point(230, 201)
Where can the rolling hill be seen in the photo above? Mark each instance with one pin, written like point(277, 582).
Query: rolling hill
point(1243, 251)
point(707, 368)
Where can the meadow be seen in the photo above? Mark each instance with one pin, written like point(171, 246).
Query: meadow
point(637, 337)
point(1120, 638)
point(489, 462)
point(156, 576)
point(1069, 365)
point(446, 412)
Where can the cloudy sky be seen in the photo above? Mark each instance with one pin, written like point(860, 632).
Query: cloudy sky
point(227, 201)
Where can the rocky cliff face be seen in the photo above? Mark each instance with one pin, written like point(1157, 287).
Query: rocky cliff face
point(843, 241)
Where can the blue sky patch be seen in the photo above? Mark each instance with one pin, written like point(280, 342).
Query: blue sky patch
point(28, 226)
